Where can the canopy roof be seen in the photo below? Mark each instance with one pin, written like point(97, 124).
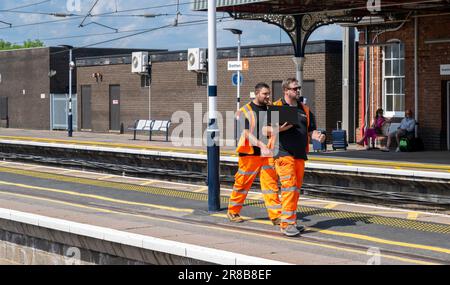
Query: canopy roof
point(290, 7)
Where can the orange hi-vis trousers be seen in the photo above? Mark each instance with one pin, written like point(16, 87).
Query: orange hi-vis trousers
point(291, 172)
point(249, 168)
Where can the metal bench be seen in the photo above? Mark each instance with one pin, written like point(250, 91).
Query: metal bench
point(160, 126)
point(141, 125)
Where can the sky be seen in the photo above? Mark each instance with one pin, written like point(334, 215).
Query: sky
point(97, 31)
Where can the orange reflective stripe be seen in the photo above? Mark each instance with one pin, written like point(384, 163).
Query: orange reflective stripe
point(306, 109)
point(278, 103)
point(250, 115)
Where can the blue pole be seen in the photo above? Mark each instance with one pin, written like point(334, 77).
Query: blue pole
point(213, 151)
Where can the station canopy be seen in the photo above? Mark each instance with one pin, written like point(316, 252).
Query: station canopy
point(356, 8)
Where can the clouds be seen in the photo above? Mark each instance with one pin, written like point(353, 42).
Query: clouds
point(174, 38)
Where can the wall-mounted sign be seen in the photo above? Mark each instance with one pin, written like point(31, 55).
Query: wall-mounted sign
point(115, 102)
point(235, 66)
point(234, 79)
point(245, 65)
point(238, 65)
point(445, 69)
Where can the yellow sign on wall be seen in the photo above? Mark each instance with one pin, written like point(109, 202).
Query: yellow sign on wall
point(245, 65)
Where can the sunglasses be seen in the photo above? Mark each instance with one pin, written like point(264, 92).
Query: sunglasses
point(294, 89)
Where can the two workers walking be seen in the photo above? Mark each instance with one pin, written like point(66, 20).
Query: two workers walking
point(275, 153)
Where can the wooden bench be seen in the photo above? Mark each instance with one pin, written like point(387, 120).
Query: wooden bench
point(141, 125)
point(160, 126)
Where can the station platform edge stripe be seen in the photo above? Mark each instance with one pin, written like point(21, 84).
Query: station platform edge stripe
point(304, 210)
point(231, 153)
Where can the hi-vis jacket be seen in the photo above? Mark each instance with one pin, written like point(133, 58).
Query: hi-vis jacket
point(244, 145)
point(308, 120)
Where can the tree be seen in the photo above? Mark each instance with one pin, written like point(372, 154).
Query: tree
point(5, 45)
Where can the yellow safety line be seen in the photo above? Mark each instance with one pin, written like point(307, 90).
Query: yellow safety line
point(254, 196)
point(148, 183)
point(383, 241)
point(302, 202)
point(382, 163)
point(175, 149)
point(413, 216)
point(360, 252)
point(62, 172)
point(384, 212)
point(421, 226)
point(331, 206)
point(156, 148)
point(106, 177)
point(96, 197)
point(356, 236)
point(201, 189)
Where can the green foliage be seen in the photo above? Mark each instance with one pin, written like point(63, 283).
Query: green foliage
point(4, 45)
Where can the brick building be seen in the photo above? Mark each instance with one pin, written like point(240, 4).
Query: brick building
point(174, 88)
point(409, 61)
point(29, 76)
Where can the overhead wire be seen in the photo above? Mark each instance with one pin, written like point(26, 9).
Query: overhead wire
point(197, 22)
point(89, 13)
point(25, 6)
point(138, 32)
point(224, 19)
point(77, 16)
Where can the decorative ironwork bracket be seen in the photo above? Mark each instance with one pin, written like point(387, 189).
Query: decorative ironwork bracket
point(299, 27)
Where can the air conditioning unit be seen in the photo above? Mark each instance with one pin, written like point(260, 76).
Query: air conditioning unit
point(139, 62)
point(196, 59)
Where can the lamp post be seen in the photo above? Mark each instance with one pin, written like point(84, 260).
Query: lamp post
point(213, 130)
point(238, 93)
point(70, 115)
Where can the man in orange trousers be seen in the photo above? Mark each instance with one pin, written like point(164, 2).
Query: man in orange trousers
point(255, 158)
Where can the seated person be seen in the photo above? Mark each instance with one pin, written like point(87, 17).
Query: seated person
point(375, 130)
point(407, 126)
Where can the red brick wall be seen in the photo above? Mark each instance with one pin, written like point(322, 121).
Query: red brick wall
point(431, 56)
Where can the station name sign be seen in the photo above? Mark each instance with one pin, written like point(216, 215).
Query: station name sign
point(238, 65)
point(445, 69)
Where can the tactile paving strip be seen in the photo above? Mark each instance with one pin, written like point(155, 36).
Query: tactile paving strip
point(304, 211)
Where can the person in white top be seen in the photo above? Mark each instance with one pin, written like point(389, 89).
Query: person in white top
point(407, 126)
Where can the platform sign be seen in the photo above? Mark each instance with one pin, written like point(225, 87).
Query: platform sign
point(238, 65)
point(235, 66)
point(445, 69)
point(234, 79)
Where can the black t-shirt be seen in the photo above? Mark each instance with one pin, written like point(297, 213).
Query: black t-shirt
point(261, 121)
point(293, 142)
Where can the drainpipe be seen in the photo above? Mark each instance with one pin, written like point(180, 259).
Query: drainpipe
point(416, 71)
point(367, 77)
point(372, 95)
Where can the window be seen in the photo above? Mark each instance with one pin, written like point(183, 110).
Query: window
point(394, 80)
point(202, 79)
point(145, 80)
point(277, 90)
